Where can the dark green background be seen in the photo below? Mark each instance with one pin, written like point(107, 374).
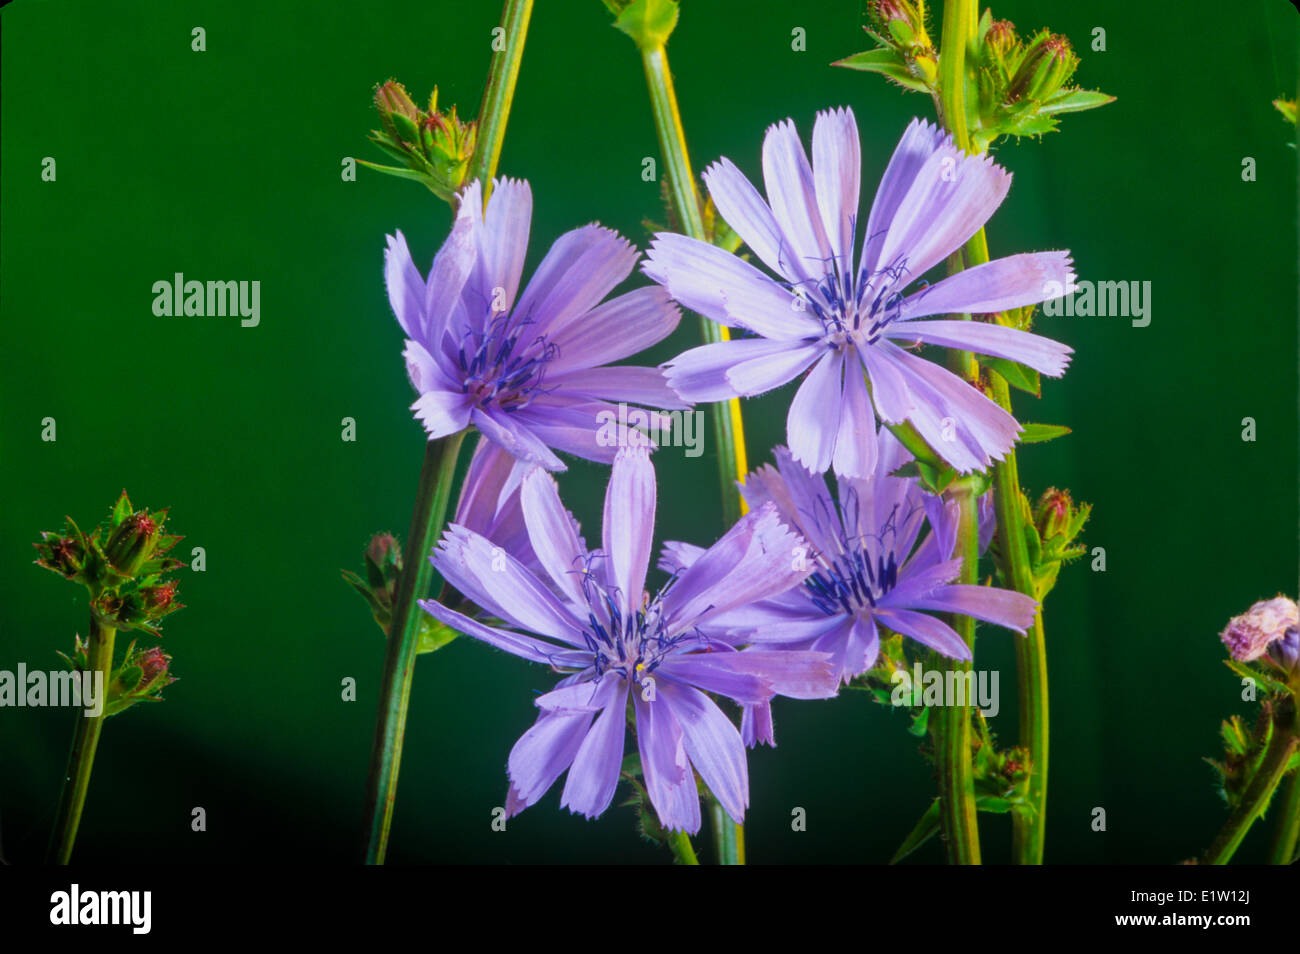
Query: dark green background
point(226, 165)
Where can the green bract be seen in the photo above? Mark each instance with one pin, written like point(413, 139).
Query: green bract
point(648, 22)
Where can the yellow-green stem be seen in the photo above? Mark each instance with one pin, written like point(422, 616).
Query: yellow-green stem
point(1028, 830)
point(85, 740)
point(728, 427)
point(683, 851)
point(499, 94)
point(951, 729)
point(728, 430)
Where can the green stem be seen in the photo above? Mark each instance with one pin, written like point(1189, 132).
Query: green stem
point(728, 429)
point(499, 94)
point(85, 740)
point(1027, 833)
point(682, 850)
point(1256, 797)
point(951, 729)
point(728, 837)
point(403, 638)
point(1287, 833)
point(434, 491)
point(958, 21)
point(1028, 830)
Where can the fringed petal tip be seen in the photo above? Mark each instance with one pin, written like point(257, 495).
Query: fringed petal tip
point(842, 113)
point(515, 803)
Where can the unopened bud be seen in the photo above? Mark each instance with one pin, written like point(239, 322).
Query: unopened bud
point(132, 543)
point(1286, 651)
point(1052, 516)
point(1048, 64)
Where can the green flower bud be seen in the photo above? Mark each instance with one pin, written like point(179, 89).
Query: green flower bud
point(142, 677)
point(65, 555)
point(1001, 48)
point(132, 543)
point(383, 563)
point(1057, 519)
point(901, 20)
point(390, 98)
point(901, 25)
point(433, 147)
point(1053, 513)
point(160, 599)
point(1048, 64)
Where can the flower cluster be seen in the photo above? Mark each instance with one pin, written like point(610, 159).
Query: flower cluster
point(123, 563)
point(796, 598)
point(1020, 86)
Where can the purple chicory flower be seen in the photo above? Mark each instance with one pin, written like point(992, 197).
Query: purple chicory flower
point(590, 617)
point(1249, 636)
point(527, 371)
point(869, 570)
point(821, 312)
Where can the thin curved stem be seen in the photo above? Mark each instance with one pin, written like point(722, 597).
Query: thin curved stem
point(728, 426)
point(403, 639)
point(85, 741)
point(435, 483)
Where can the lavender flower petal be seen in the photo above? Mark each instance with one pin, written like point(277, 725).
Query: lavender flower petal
point(542, 755)
point(1003, 283)
point(712, 744)
point(814, 417)
point(593, 776)
point(615, 330)
point(668, 777)
point(793, 200)
point(725, 289)
point(837, 163)
point(629, 527)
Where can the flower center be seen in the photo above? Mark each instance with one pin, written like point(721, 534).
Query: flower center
point(852, 580)
point(504, 365)
point(865, 568)
point(852, 310)
point(632, 645)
